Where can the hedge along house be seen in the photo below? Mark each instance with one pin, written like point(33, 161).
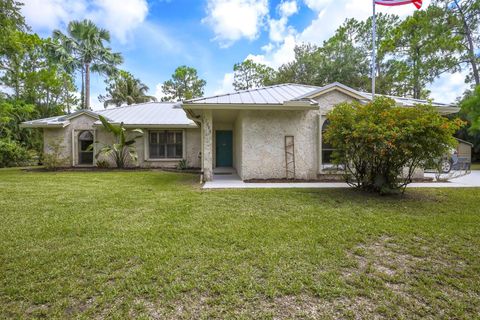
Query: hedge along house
point(169, 136)
point(272, 132)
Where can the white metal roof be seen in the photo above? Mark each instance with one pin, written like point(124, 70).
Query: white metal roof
point(58, 121)
point(282, 93)
point(276, 94)
point(168, 114)
point(150, 113)
point(144, 114)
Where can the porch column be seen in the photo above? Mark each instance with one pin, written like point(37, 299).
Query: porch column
point(207, 135)
point(319, 144)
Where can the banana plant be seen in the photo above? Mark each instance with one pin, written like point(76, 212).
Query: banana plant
point(123, 149)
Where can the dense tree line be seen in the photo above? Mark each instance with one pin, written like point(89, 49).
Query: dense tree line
point(37, 78)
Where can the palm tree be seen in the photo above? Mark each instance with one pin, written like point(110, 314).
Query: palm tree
point(83, 49)
point(125, 88)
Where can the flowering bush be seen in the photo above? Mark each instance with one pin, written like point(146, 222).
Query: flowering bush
point(380, 144)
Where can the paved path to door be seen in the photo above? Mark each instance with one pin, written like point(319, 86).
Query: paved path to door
point(232, 181)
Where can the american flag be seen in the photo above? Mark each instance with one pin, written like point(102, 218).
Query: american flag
point(417, 3)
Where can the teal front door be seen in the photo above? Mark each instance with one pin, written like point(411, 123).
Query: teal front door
point(224, 150)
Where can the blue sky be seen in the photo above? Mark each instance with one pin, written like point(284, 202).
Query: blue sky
point(156, 36)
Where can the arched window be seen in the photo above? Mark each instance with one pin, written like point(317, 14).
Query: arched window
point(85, 152)
point(327, 149)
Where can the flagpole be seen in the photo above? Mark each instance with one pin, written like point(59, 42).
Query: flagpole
point(374, 32)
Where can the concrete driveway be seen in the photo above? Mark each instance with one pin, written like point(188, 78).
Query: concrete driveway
point(470, 180)
point(233, 182)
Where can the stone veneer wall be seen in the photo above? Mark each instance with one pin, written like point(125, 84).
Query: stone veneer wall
point(66, 137)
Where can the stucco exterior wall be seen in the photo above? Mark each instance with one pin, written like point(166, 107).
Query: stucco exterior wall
point(207, 145)
point(238, 144)
point(264, 144)
point(193, 147)
point(329, 100)
point(263, 140)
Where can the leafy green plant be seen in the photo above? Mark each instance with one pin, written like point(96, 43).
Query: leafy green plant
point(12, 154)
point(182, 165)
point(122, 151)
point(54, 159)
point(102, 164)
point(380, 145)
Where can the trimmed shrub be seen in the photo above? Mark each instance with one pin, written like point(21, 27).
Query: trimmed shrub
point(53, 159)
point(12, 154)
point(380, 144)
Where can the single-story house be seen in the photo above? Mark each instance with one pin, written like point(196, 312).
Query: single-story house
point(271, 132)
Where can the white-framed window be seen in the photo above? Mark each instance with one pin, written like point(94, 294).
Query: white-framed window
point(327, 148)
point(165, 144)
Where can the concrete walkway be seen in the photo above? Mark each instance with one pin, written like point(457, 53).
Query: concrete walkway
point(232, 181)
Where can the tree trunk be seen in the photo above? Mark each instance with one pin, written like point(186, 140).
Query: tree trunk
point(87, 86)
point(416, 74)
point(471, 48)
point(82, 93)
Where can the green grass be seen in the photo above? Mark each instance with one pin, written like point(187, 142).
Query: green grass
point(149, 244)
point(475, 166)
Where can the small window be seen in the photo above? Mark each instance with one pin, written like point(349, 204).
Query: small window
point(327, 148)
point(166, 144)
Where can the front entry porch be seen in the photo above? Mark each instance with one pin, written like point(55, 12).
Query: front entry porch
point(220, 145)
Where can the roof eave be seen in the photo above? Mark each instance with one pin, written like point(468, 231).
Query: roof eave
point(43, 125)
point(140, 126)
point(448, 110)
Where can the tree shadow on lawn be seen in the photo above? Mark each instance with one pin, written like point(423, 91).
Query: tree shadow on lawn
point(359, 197)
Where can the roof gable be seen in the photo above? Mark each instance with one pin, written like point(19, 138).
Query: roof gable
point(78, 113)
point(332, 87)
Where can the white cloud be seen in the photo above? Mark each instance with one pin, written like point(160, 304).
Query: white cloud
point(119, 18)
point(51, 14)
point(318, 5)
point(276, 55)
point(233, 20)
point(226, 84)
point(278, 27)
point(122, 18)
point(448, 87)
point(288, 8)
point(330, 15)
point(159, 92)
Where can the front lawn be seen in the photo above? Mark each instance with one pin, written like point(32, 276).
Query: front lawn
point(152, 244)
